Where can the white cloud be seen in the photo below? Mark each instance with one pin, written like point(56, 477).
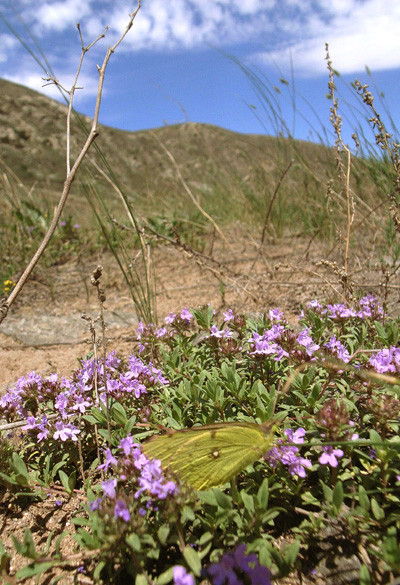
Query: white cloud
point(38, 83)
point(59, 16)
point(7, 44)
point(359, 33)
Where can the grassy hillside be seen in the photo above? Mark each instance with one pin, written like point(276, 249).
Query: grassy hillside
point(233, 175)
point(177, 178)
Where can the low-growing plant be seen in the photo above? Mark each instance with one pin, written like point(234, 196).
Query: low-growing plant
point(332, 473)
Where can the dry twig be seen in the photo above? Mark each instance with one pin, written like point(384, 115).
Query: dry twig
point(71, 173)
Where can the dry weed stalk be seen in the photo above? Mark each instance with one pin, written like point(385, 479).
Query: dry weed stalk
point(5, 304)
point(204, 261)
point(385, 141)
point(343, 172)
point(101, 297)
point(268, 214)
point(188, 190)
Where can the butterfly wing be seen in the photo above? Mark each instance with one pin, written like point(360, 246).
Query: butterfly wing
point(210, 455)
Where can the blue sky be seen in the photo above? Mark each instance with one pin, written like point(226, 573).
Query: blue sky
point(174, 64)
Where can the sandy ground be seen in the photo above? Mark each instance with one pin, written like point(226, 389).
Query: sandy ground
point(44, 330)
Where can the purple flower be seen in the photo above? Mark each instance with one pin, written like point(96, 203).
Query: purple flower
point(234, 566)
point(110, 460)
point(127, 445)
point(329, 456)
point(315, 305)
point(288, 454)
point(304, 338)
point(121, 511)
point(275, 314)
point(170, 318)
point(297, 466)
point(108, 487)
point(161, 332)
point(151, 480)
point(295, 436)
point(61, 404)
point(80, 404)
point(228, 315)
point(215, 332)
point(77, 226)
point(186, 315)
point(338, 349)
point(265, 344)
point(95, 505)
point(383, 360)
point(66, 432)
point(181, 576)
point(58, 503)
point(31, 424)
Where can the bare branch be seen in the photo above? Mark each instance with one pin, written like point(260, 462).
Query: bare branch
point(71, 174)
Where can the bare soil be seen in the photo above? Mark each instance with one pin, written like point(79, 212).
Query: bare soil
point(44, 331)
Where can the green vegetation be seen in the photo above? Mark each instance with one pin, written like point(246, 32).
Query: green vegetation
point(331, 474)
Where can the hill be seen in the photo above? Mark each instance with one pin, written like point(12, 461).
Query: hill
point(215, 162)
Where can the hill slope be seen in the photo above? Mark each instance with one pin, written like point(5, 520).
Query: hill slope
point(32, 139)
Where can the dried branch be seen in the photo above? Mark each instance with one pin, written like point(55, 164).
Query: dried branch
point(71, 174)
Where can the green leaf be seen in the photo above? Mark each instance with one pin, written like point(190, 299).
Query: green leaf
point(193, 560)
point(163, 533)
point(98, 570)
point(26, 548)
point(363, 498)
point(187, 514)
point(364, 576)
point(134, 542)
point(65, 480)
point(19, 465)
point(377, 511)
point(338, 495)
point(118, 414)
point(8, 479)
point(381, 331)
point(328, 494)
point(248, 501)
point(165, 577)
point(263, 494)
point(291, 551)
point(72, 481)
point(373, 435)
point(223, 500)
point(34, 569)
point(5, 559)
point(79, 521)
point(99, 416)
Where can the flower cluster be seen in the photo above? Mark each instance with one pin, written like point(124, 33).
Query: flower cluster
point(267, 343)
point(288, 454)
point(149, 334)
point(386, 360)
point(236, 567)
point(132, 468)
point(8, 284)
point(369, 308)
point(32, 397)
point(337, 349)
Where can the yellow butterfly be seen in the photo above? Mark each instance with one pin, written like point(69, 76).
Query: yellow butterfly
point(210, 455)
